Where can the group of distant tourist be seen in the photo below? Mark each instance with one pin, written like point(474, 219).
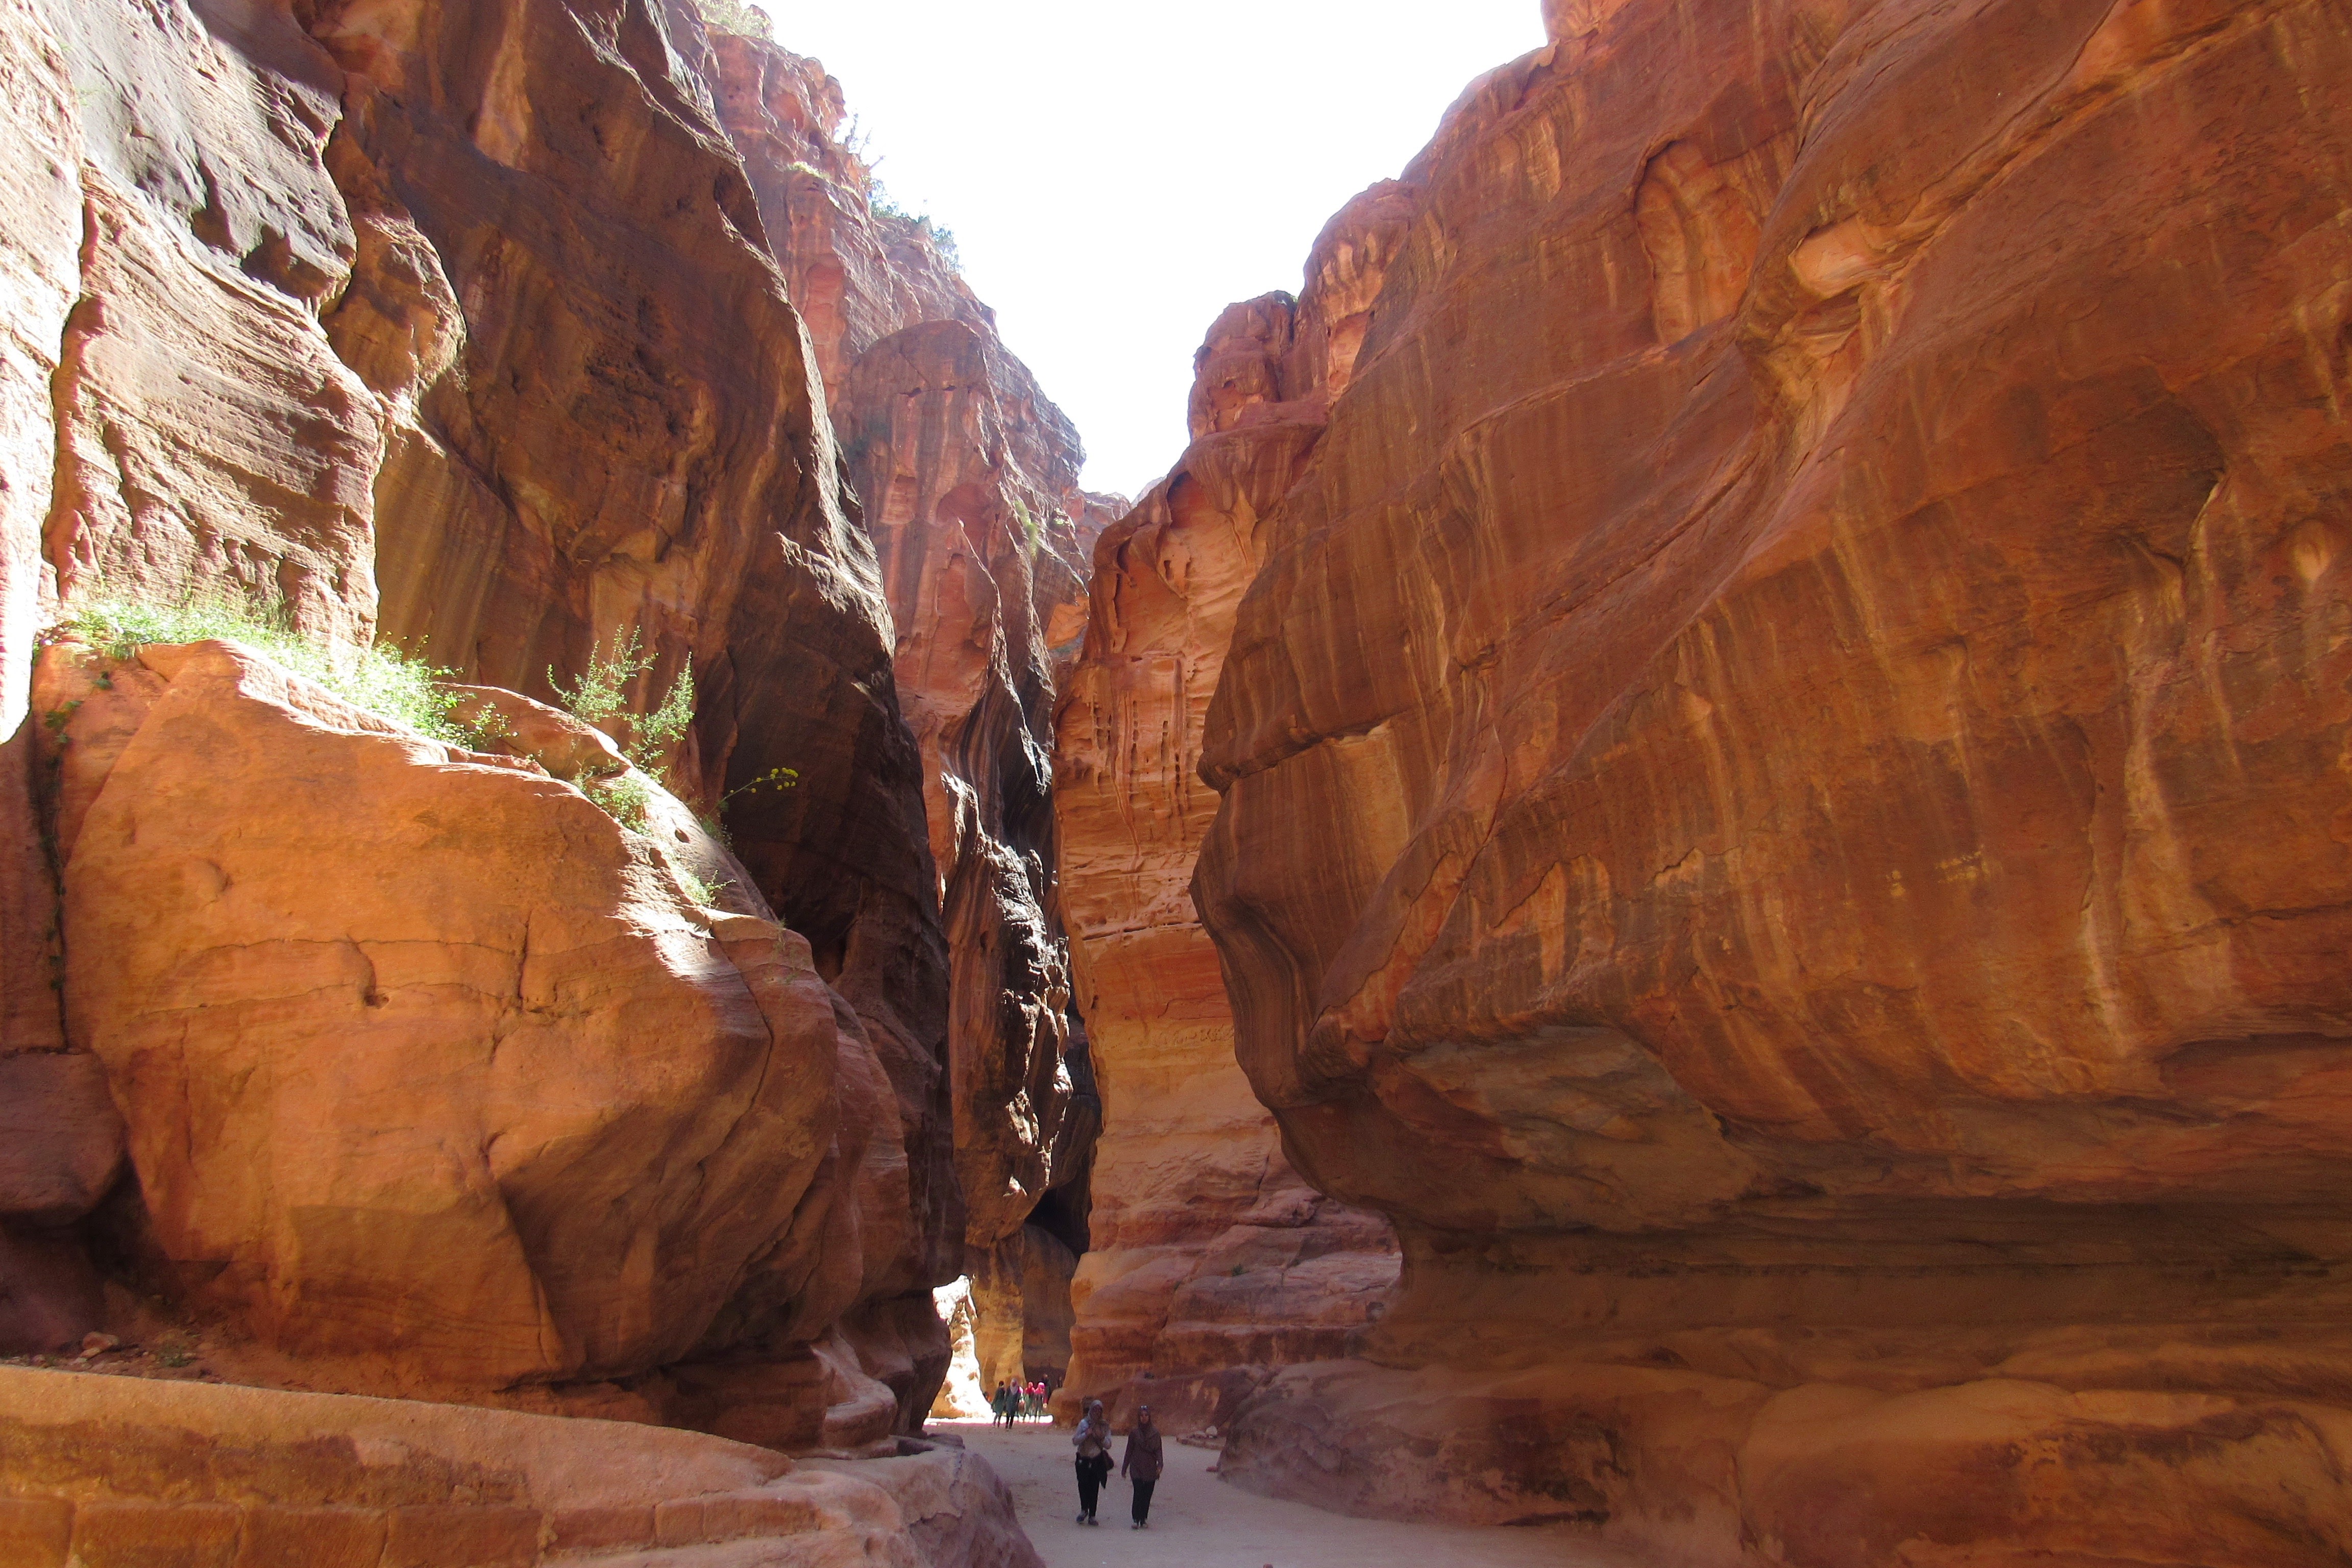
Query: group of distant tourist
point(1020, 1401)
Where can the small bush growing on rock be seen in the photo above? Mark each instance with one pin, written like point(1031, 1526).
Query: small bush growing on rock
point(598, 698)
point(384, 682)
point(626, 798)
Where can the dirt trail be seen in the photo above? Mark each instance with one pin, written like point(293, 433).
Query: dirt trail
point(1198, 1521)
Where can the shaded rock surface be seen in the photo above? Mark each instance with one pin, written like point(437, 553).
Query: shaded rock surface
point(244, 1475)
point(1210, 1258)
point(969, 481)
point(460, 326)
point(958, 1512)
point(1779, 807)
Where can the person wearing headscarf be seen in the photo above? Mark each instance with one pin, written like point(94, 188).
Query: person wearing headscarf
point(1092, 1441)
point(1141, 1464)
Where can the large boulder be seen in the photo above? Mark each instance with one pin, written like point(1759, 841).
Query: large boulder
point(199, 1474)
point(429, 1065)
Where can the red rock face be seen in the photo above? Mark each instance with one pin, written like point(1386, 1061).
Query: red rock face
point(475, 303)
point(1212, 1260)
point(618, 431)
point(969, 480)
point(1780, 806)
point(407, 296)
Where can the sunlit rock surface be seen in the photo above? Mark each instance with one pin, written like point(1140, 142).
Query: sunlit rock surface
point(1212, 1260)
point(475, 303)
point(1781, 807)
point(412, 1128)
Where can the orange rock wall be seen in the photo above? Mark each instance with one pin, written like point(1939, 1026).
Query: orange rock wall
point(1780, 807)
point(968, 480)
point(1212, 1259)
point(461, 325)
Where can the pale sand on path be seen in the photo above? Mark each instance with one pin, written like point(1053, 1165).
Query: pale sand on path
point(1199, 1521)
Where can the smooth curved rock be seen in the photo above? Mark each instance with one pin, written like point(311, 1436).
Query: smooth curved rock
point(1210, 1260)
point(620, 434)
point(201, 1473)
point(1780, 795)
point(504, 1106)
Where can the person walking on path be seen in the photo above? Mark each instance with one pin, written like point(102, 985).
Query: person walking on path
point(1003, 1402)
point(1092, 1441)
point(1141, 1464)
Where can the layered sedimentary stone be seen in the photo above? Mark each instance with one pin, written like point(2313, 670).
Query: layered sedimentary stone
point(619, 435)
point(207, 433)
point(203, 1473)
point(1779, 792)
point(969, 482)
point(1212, 1260)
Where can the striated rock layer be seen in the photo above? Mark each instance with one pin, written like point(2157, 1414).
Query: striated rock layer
point(1212, 1261)
point(461, 326)
point(1780, 796)
point(205, 1474)
point(969, 478)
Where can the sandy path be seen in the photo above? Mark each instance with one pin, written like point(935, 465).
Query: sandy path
point(1198, 1521)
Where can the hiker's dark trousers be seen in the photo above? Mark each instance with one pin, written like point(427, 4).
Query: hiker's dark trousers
point(1143, 1499)
point(1091, 1475)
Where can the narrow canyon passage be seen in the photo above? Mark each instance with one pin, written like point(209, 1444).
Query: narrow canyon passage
point(1199, 1521)
point(1676, 898)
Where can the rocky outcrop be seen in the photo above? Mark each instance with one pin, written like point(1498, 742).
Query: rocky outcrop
point(474, 304)
point(439, 1158)
point(956, 1509)
point(969, 478)
point(1212, 1261)
point(205, 1474)
point(1021, 1292)
point(1779, 795)
point(619, 435)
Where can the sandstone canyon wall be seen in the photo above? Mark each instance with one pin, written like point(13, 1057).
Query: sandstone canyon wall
point(462, 327)
point(1781, 793)
point(969, 477)
point(1212, 1262)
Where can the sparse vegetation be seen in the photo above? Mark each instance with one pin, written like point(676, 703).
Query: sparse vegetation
point(1031, 528)
point(705, 893)
point(598, 697)
point(942, 238)
point(736, 16)
point(382, 681)
point(626, 798)
point(775, 778)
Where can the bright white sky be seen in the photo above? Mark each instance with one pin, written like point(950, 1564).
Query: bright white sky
point(1116, 171)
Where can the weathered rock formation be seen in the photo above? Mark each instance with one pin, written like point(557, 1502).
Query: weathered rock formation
point(1212, 1260)
point(705, 519)
point(459, 326)
point(969, 477)
point(203, 1474)
point(1780, 796)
